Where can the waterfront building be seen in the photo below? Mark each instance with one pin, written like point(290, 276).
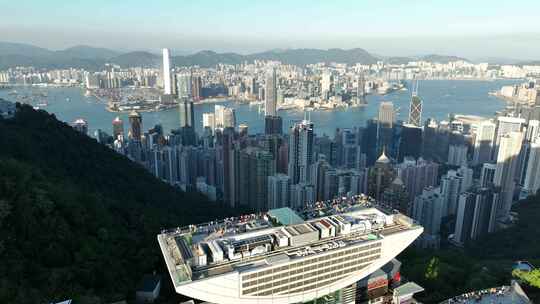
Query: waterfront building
point(117, 127)
point(186, 111)
point(208, 120)
point(80, 125)
point(135, 126)
point(166, 72)
point(415, 107)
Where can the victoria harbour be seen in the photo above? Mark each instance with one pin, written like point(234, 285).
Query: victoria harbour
point(270, 152)
point(441, 97)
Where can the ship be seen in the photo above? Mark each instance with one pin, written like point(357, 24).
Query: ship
point(283, 256)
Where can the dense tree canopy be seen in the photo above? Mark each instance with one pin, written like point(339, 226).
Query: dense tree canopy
point(483, 263)
point(78, 220)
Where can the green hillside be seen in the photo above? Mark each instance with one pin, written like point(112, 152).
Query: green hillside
point(78, 220)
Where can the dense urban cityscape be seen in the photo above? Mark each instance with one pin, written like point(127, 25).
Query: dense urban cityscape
point(418, 200)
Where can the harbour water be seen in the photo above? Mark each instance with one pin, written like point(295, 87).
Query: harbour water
point(441, 97)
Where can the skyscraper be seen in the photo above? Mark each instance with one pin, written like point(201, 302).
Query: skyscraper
point(270, 103)
point(361, 90)
point(300, 151)
point(505, 174)
point(167, 81)
point(187, 116)
point(135, 126)
point(118, 127)
point(386, 114)
point(410, 143)
point(385, 126)
point(415, 107)
point(224, 117)
point(209, 121)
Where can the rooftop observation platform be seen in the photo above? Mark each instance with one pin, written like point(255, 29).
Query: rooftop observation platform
point(279, 236)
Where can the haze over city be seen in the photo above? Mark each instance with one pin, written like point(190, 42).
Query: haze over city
point(473, 29)
point(270, 152)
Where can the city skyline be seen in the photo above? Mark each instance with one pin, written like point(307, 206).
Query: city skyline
point(406, 29)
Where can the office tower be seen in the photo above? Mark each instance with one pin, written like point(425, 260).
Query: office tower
point(380, 176)
point(184, 85)
point(187, 114)
point(166, 72)
point(359, 180)
point(256, 166)
point(476, 215)
point(300, 151)
point(361, 90)
point(118, 127)
point(271, 93)
point(429, 139)
point(483, 142)
point(135, 126)
point(417, 175)
point(385, 126)
point(348, 150)
point(415, 107)
point(224, 117)
point(457, 155)
point(505, 174)
point(532, 176)
point(278, 191)
point(196, 87)
point(386, 114)
point(209, 121)
point(81, 125)
point(428, 211)
point(487, 175)
point(410, 142)
point(273, 125)
point(301, 195)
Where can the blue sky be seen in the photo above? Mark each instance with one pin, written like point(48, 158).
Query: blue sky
point(476, 28)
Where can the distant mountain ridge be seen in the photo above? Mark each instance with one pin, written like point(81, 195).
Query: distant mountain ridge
point(92, 58)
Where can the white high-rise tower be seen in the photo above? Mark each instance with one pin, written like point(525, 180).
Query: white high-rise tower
point(270, 93)
point(167, 83)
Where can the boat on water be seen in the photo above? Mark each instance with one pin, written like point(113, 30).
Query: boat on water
point(43, 103)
